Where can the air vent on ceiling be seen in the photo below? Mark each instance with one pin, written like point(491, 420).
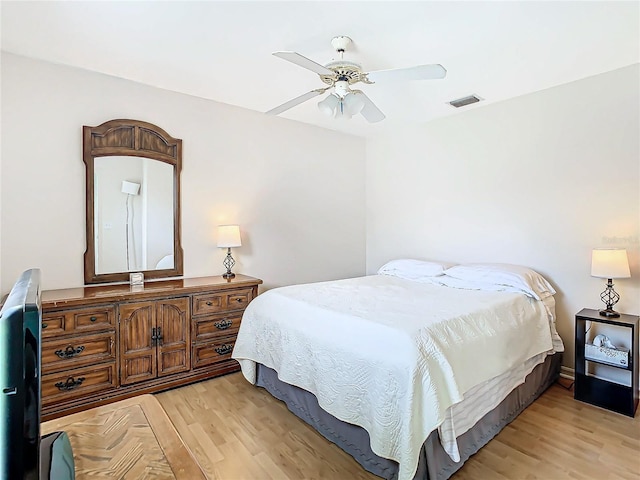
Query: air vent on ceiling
point(461, 102)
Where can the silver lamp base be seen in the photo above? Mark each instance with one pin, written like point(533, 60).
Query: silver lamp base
point(609, 297)
point(228, 263)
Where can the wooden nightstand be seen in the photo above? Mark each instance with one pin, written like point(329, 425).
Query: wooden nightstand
point(597, 391)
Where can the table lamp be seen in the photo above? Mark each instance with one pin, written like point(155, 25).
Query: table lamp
point(228, 237)
point(609, 263)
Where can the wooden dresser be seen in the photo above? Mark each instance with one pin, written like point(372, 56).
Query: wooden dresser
point(109, 342)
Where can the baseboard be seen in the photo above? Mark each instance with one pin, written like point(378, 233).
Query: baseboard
point(567, 372)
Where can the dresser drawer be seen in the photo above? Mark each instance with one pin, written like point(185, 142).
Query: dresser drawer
point(77, 351)
point(219, 302)
point(71, 384)
point(78, 320)
point(53, 324)
point(207, 328)
point(213, 352)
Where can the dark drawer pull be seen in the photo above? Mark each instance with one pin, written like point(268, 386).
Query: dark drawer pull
point(209, 303)
point(223, 324)
point(70, 352)
point(224, 349)
point(239, 300)
point(44, 325)
point(93, 319)
point(70, 384)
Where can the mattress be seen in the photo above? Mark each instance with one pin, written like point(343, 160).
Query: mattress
point(393, 356)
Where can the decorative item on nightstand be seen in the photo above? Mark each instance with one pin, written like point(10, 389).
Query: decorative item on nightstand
point(228, 237)
point(603, 351)
point(609, 263)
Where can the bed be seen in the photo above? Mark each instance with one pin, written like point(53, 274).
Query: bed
point(411, 370)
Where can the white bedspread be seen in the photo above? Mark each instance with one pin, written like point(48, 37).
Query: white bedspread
point(387, 354)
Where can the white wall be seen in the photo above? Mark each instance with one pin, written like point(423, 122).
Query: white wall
point(537, 180)
point(297, 191)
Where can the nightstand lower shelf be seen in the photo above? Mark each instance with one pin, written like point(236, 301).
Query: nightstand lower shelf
point(602, 393)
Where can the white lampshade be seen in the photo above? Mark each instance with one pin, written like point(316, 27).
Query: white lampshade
point(354, 103)
point(229, 236)
point(328, 105)
point(610, 263)
point(130, 188)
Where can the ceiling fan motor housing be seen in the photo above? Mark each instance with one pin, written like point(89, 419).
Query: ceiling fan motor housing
point(342, 88)
point(343, 70)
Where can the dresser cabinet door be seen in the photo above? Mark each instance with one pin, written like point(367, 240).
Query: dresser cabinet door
point(174, 336)
point(138, 360)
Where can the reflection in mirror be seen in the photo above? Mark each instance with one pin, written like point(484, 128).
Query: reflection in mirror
point(133, 214)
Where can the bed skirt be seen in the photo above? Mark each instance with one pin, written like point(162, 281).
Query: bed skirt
point(434, 463)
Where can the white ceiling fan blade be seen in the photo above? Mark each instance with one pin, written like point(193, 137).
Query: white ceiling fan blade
point(420, 72)
point(370, 112)
point(297, 101)
point(298, 59)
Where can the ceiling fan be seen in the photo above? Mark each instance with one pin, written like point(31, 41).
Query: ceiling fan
point(340, 75)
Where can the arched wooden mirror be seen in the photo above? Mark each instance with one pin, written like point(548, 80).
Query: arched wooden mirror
point(133, 201)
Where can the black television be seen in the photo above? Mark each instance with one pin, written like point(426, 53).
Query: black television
point(23, 453)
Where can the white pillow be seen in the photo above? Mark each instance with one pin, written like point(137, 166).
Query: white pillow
point(452, 282)
point(516, 276)
point(411, 269)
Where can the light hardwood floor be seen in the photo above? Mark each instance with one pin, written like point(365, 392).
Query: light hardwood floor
point(237, 431)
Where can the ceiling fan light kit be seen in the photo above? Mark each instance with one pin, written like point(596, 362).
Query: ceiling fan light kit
point(343, 102)
point(329, 104)
point(339, 75)
point(354, 103)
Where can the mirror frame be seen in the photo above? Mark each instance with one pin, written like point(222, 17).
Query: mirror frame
point(130, 138)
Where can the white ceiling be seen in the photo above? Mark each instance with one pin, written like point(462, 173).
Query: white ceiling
point(222, 50)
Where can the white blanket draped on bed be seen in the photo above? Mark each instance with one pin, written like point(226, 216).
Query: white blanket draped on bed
point(388, 354)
